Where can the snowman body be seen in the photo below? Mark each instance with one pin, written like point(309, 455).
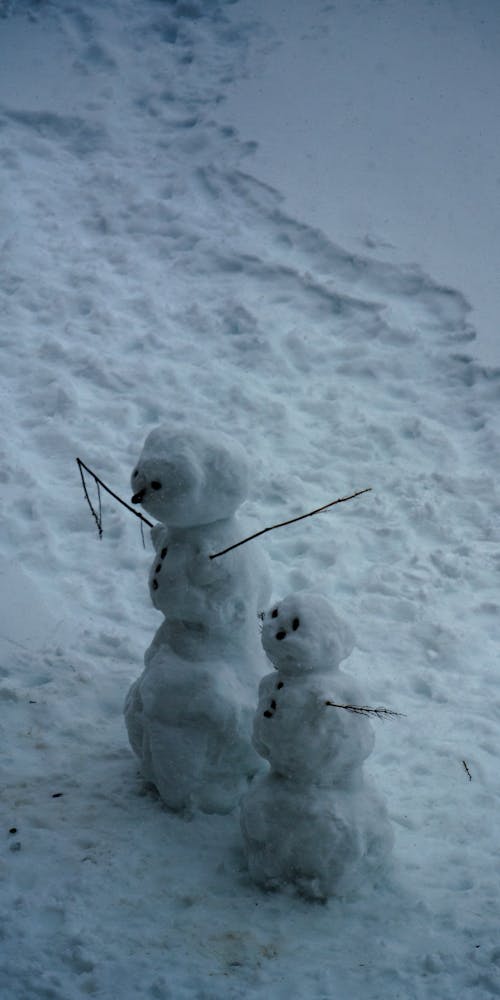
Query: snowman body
point(312, 821)
point(189, 713)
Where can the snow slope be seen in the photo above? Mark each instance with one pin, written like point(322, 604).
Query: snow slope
point(379, 122)
point(147, 276)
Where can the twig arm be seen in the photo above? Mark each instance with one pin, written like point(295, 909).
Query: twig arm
point(96, 517)
point(215, 555)
point(380, 713)
point(81, 465)
point(291, 521)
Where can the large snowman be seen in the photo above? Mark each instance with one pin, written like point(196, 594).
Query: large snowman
point(189, 714)
point(312, 821)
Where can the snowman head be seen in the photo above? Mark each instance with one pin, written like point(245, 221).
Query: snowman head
point(302, 634)
point(190, 477)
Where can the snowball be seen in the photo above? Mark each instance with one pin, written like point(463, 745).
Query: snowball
point(306, 739)
point(190, 477)
point(302, 633)
point(189, 724)
point(322, 841)
point(219, 595)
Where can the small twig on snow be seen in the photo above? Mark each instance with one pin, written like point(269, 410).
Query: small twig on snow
point(291, 521)
point(379, 713)
point(469, 775)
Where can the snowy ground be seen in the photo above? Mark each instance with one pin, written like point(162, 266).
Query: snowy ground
point(380, 123)
point(147, 275)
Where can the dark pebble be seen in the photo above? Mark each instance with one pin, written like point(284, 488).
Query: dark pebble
point(158, 568)
point(279, 685)
point(163, 552)
point(268, 714)
point(57, 795)
point(13, 829)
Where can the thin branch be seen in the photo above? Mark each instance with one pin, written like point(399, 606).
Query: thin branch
point(215, 555)
point(99, 482)
point(379, 713)
point(467, 770)
point(97, 517)
point(291, 521)
point(100, 504)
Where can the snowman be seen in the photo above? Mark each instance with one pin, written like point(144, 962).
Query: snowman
point(189, 713)
point(312, 821)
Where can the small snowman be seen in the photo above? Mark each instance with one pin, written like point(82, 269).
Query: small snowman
point(189, 714)
point(312, 821)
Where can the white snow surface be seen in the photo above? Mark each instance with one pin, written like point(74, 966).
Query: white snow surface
point(379, 122)
point(147, 277)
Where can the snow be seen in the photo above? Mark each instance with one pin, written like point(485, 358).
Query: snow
point(312, 821)
point(293, 729)
point(189, 714)
point(190, 478)
point(149, 277)
point(379, 124)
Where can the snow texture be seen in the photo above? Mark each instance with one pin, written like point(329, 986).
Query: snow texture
point(312, 821)
point(188, 715)
point(149, 278)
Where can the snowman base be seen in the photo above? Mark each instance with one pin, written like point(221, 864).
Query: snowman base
point(188, 723)
point(320, 841)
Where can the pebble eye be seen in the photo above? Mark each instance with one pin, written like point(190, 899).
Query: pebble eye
point(135, 473)
point(281, 634)
point(295, 624)
point(155, 485)
point(274, 614)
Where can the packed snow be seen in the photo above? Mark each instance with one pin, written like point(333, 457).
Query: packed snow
point(150, 278)
point(189, 714)
point(311, 821)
